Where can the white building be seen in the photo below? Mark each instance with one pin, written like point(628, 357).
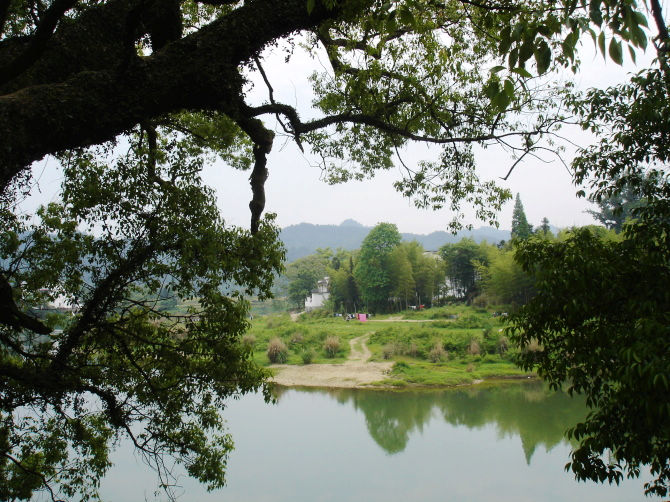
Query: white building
point(319, 295)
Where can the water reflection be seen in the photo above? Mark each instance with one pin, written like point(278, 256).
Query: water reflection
point(538, 417)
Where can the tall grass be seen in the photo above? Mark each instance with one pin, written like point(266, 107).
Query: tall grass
point(277, 351)
point(331, 346)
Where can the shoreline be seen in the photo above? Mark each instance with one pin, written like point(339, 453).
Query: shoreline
point(359, 372)
point(412, 387)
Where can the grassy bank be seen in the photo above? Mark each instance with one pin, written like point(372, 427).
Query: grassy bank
point(446, 346)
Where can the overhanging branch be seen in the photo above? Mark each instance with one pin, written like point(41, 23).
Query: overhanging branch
point(39, 40)
point(363, 119)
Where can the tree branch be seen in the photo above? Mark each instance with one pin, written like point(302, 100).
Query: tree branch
point(197, 72)
point(32, 472)
point(364, 119)
point(4, 12)
point(105, 294)
point(262, 139)
point(11, 315)
point(38, 41)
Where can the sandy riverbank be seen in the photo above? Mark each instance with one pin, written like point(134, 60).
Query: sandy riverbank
point(356, 372)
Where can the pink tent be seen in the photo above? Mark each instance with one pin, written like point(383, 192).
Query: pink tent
point(362, 317)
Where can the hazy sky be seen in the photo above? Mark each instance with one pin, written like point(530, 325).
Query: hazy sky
point(295, 192)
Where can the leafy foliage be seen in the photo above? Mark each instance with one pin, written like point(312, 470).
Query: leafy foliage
point(601, 313)
point(121, 361)
point(167, 80)
point(601, 317)
point(462, 261)
point(304, 273)
point(504, 281)
point(372, 269)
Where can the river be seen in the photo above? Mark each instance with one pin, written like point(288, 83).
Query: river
point(485, 443)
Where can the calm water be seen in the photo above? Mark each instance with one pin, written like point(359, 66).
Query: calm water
point(499, 443)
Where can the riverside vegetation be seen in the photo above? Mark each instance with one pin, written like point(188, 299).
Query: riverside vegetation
point(445, 346)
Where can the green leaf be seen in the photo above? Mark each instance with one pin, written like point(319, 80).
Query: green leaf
point(593, 35)
point(310, 6)
point(641, 19)
point(631, 51)
point(526, 51)
point(640, 37)
point(509, 89)
point(594, 12)
point(406, 17)
point(601, 44)
point(505, 40)
point(513, 58)
point(616, 52)
point(522, 71)
point(501, 101)
point(491, 89)
point(542, 55)
point(497, 69)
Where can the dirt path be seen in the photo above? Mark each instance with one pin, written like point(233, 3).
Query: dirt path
point(355, 372)
point(401, 320)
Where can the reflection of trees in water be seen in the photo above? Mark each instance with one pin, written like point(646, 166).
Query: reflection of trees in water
point(526, 410)
point(390, 421)
point(536, 416)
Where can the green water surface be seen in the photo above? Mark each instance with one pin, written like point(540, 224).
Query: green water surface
point(499, 442)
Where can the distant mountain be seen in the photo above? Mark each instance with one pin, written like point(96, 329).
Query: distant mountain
point(351, 223)
point(304, 238)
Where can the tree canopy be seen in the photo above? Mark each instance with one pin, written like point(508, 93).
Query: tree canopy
point(134, 96)
point(601, 313)
point(374, 261)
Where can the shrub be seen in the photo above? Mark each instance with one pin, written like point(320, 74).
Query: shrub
point(331, 346)
point(273, 322)
point(503, 345)
point(470, 368)
point(474, 349)
point(471, 322)
point(297, 338)
point(320, 313)
point(412, 350)
point(307, 356)
point(388, 351)
point(248, 341)
point(437, 353)
point(442, 324)
point(481, 301)
point(277, 351)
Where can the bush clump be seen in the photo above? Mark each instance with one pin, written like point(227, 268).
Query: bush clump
point(437, 353)
point(277, 351)
point(248, 341)
point(412, 350)
point(307, 356)
point(388, 351)
point(502, 345)
point(331, 346)
point(474, 349)
point(297, 338)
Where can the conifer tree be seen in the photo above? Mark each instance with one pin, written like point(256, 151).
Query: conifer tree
point(520, 227)
point(545, 228)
